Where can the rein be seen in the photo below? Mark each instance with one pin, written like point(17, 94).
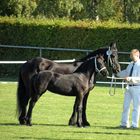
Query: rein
point(113, 81)
point(113, 78)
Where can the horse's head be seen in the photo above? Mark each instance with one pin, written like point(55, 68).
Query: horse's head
point(112, 58)
point(100, 65)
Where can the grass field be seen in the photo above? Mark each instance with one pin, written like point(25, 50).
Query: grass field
point(51, 115)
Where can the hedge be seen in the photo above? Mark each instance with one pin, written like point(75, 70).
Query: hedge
point(62, 33)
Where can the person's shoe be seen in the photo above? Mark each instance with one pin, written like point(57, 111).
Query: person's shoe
point(133, 127)
point(123, 127)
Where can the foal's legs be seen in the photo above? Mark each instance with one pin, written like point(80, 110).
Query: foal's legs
point(79, 110)
point(84, 117)
point(73, 118)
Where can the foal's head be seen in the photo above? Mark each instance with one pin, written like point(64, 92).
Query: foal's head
point(100, 65)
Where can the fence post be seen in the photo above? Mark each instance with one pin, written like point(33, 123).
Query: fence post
point(40, 52)
point(87, 53)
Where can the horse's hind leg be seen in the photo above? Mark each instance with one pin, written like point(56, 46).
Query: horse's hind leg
point(22, 117)
point(22, 101)
point(84, 117)
point(31, 106)
point(73, 118)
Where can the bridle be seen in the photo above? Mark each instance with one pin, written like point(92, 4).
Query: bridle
point(113, 79)
point(109, 60)
point(96, 68)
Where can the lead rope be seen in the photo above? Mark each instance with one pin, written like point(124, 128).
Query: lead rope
point(113, 84)
point(113, 80)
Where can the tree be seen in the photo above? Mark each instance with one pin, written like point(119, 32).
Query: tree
point(133, 10)
point(59, 8)
point(17, 7)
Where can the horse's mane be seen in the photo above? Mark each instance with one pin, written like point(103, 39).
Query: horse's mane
point(94, 53)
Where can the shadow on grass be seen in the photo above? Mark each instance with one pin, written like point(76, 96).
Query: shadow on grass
point(117, 128)
point(50, 124)
point(9, 124)
point(28, 138)
point(34, 124)
point(103, 133)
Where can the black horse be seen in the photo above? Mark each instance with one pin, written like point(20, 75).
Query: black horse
point(76, 84)
point(38, 64)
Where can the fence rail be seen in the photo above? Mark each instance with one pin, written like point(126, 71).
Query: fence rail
point(56, 49)
point(53, 49)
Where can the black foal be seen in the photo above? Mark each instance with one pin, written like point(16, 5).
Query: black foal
point(77, 84)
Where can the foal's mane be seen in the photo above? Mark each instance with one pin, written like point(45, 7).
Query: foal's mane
point(85, 66)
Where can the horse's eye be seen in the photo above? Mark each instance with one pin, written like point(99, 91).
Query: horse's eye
point(113, 56)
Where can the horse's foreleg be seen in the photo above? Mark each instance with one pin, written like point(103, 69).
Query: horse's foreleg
point(29, 113)
point(84, 117)
point(73, 118)
point(79, 111)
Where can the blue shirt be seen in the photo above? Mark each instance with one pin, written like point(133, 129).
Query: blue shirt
point(135, 78)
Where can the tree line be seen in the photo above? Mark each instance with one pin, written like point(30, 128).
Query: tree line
point(118, 10)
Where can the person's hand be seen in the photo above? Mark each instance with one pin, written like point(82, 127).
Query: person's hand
point(126, 79)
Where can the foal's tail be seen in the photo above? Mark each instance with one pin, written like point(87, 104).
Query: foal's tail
point(21, 95)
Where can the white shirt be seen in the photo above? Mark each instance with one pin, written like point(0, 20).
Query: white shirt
point(135, 78)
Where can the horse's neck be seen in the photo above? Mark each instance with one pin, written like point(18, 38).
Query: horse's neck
point(87, 68)
point(101, 51)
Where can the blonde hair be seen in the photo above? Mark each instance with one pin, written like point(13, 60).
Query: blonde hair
point(134, 51)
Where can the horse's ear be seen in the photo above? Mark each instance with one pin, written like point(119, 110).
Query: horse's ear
point(113, 45)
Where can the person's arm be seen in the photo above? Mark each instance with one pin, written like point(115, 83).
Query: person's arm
point(133, 80)
point(123, 73)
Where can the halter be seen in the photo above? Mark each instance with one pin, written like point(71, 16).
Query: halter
point(95, 60)
point(109, 60)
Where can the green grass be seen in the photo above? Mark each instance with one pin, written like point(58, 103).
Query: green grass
point(51, 115)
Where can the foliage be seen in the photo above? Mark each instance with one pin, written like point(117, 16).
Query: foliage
point(58, 8)
point(61, 34)
point(17, 8)
point(134, 10)
point(119, 10)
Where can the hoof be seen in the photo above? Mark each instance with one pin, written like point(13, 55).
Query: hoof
point(29, 124)
point(71, 123)
point(80, 125)
point(22, 122)
point(86, 123)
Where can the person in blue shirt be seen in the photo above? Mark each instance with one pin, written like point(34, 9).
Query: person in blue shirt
point(132, 94)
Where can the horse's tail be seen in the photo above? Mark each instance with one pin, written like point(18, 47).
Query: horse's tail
point(21, 95)
point(33, 84)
